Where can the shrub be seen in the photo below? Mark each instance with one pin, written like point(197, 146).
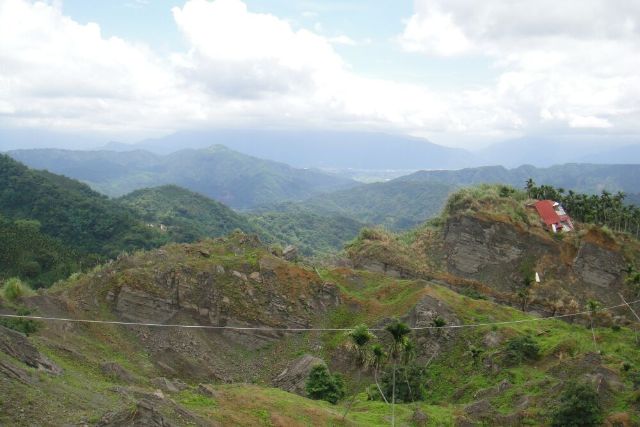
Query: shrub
point(14, 288)
point(472, 293)
point(579, 407)
point(321, 385)
point(520, 349)
point(410, 383)
point(25, 326)
point(439, 322)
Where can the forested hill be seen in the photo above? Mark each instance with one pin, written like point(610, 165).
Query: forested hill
point(238, 180)
point(583, 178)
point(397, 205)
point(187, 216)
point(70, 212)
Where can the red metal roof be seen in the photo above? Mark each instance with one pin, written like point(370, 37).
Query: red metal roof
point(547, 212)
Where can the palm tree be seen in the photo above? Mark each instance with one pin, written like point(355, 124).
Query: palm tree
point(360, 336)
point(593, 306)
point(378, 357)
point(523, 295)
point(399, 332)
point(529, 186)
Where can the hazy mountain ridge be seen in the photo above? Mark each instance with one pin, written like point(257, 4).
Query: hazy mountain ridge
point(586, 178)
point(319, 149)
point(235, 179)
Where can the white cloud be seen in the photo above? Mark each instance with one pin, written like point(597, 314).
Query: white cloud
point(243, 68)
point(573, 63)
point(56, 72)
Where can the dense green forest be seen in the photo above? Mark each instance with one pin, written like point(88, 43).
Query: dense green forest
point(312, 232)
point(28, 253)
point(63, 216)
point(187, 216)
point(396, 205)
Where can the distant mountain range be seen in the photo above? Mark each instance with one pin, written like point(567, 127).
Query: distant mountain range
point(353, 150)
point(235, 179)
point(318, 149)
point(585, 178)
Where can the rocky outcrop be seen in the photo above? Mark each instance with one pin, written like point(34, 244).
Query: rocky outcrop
point(19, 347)
point(293, 379)
point(141, 306)
point(598, 266)
point(144, 415)
point(172, 386)
point(290, 253)
point(424, 314)
point(491, 251)
point(14, 373)
point(220, 297)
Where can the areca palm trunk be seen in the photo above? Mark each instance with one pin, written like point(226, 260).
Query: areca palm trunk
point(375, 377)
point(393, 396)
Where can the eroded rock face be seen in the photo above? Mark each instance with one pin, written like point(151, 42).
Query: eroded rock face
point(140, 306)
point(489, 250)
point(220, 298)
point(268, 293)
point(293, 379)
point(598, 266)
point(19, 347)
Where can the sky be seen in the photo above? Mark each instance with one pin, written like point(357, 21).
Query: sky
point(458, 72)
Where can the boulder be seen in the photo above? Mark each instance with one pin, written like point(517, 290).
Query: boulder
point(419, 418)
point(290, 253)
point(168, 385)
point(144, 415)
point(293, 379)
point(113, 370)
point(207, 390)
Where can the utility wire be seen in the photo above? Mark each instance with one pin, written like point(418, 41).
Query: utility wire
point(267, 329)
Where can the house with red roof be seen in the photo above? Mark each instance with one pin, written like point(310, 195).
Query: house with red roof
point(554, 216)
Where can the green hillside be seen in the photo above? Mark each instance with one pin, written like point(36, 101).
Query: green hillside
point(69, 217)
point(187, 216)
point(397, 205)
point(312, 232)
point(36, 257)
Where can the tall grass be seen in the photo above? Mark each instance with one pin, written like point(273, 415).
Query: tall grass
point(14, 289)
